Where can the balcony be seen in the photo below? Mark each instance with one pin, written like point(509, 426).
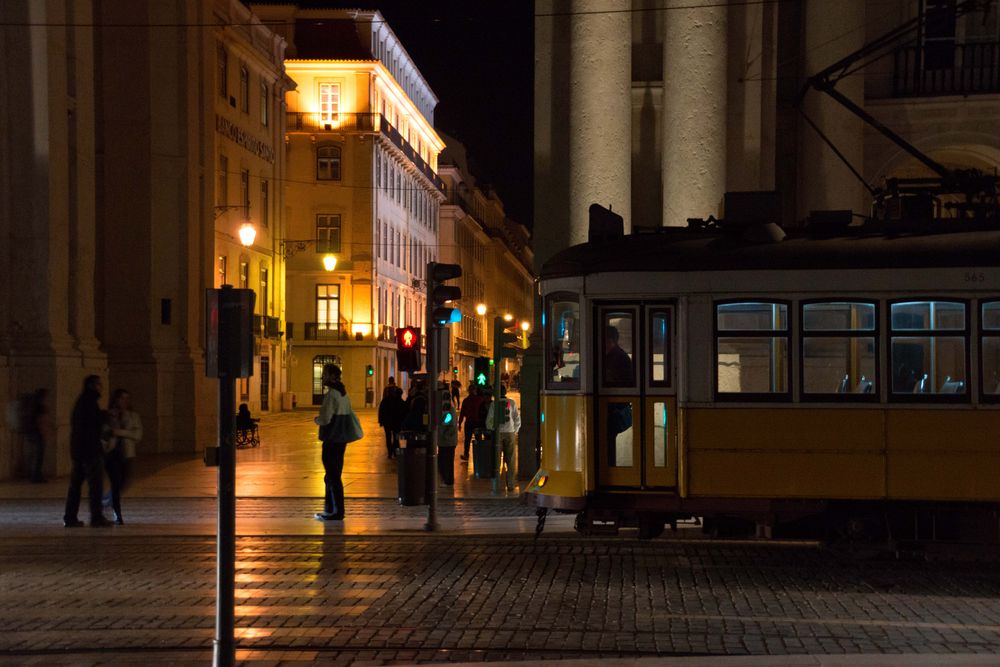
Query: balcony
point(266, 326)
point(298, 121)
point(946, 69)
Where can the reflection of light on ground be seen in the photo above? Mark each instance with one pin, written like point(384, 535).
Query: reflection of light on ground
point(252, 633)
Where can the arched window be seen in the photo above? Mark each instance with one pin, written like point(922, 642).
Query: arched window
point(317, 384)
point(328, 163)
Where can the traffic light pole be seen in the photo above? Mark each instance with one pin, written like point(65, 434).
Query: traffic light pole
point(498, 327)
point(433, 413)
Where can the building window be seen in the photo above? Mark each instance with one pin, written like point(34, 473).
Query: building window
point(328, 163)
point(221, 196)
point(265, 100)
point(221, 271)
point(329, 103)
point(264, 305)
point(327, 233)
point(928, 347)
point(317, 380)
point(265, 203)
point(245, 192)
point(839, 350)
point(752, 349)
point(327, 307)
point(223, 73)
point(244, 88)
point(244, 275)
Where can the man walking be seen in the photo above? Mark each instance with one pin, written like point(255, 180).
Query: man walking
point(509, 420)
point(86, 454)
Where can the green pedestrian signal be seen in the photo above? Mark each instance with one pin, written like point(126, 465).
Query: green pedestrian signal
point(481, 371)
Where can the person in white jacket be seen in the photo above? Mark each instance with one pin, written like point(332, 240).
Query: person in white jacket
point(126, 431)
point(510, 424)
point(335, 403)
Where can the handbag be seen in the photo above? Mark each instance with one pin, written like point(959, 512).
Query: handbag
point(341, 428)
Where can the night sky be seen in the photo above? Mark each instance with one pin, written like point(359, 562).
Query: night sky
point(478, 58)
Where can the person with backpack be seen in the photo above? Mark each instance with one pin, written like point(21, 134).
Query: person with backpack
point(508, 422)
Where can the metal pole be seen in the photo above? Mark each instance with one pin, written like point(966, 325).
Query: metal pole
point(498, 327)
point(225, 615)
point(433, 407)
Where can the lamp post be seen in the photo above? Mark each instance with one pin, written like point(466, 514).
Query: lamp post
point(290, 247)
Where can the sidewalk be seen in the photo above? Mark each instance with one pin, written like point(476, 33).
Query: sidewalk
point(286, 465)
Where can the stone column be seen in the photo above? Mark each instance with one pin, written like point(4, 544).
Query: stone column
point(600, 117)
point(825, 182)
point(694, 113)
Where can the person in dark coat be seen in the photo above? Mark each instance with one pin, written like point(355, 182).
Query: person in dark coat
point(391, 410)
point(87, 454)
point(469, 416)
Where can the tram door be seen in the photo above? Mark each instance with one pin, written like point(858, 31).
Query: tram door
point(636, 426)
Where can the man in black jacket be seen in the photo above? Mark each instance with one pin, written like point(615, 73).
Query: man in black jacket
point(86, 453)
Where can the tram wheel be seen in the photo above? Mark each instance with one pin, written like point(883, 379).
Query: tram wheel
point(650, 526)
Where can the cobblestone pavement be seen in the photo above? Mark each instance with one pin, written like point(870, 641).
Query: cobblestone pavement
point(89, 596)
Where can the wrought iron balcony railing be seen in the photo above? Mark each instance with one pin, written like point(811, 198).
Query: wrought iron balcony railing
point(946, 69)
point(299, 121)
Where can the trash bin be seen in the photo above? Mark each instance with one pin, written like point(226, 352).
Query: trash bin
point(411, 462)
point(484, 456)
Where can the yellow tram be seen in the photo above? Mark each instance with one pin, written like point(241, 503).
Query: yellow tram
point(848, 385)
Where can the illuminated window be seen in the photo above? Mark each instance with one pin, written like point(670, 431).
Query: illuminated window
point(327, 307)
point(221, 271)
point(328, 163)
point(264, 305)
point(752, 348)
point(329, 103)
point(927, 348)
point(327, 233)
point(244, 88)
point(244, 275)
point(561, 323)
point(839, 349)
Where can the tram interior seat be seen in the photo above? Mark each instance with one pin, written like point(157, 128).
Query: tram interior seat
point(865, 386)
point(921, 385)
point(950, 386)
point(842, 387)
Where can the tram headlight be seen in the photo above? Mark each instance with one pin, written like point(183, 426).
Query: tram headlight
point(542, 480)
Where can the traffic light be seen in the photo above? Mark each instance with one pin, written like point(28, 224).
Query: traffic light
point(369, 370)
point(438, 294)
point(481, 371)
point(502, 340)
point(408, 349)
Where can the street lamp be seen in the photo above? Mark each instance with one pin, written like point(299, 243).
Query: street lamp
point(508, 317)
point(329, 262)
point(247, 234)
point(481, 309)
point(289, 247)
point(525, 325)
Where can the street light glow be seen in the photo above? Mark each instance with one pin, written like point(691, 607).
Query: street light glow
point(525, 325)
point(247, 234)
point(329, 262)
point(507, 317)
point(481, 309)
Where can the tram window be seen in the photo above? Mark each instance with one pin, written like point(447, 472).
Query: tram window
point(562, 324)
point(659, 348)
point(990, 349)
point(618, 366)
point(835, 358)
point(752, 348)
point(661, 435)
point(930, 355)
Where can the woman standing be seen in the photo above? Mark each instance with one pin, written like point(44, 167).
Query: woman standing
point(335, 404)
point(126, 431)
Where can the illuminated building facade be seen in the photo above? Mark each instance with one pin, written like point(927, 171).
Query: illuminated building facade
point(496, 259)
point(122, 179)
point(362, 187)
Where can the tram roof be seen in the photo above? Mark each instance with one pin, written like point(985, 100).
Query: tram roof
point(683, 249)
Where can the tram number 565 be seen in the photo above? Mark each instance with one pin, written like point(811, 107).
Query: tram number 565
point(975, 277)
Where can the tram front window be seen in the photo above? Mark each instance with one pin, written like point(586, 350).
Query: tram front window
point(618, 369)
point(562, 321)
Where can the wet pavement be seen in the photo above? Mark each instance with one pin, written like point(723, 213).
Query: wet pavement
point(378, 589)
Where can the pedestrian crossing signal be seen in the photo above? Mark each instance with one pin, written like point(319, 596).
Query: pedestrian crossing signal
point(369, 370)
point(408, 349)
point(481, 372)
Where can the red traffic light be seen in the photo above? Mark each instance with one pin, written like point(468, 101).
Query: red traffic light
point(408, 338)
